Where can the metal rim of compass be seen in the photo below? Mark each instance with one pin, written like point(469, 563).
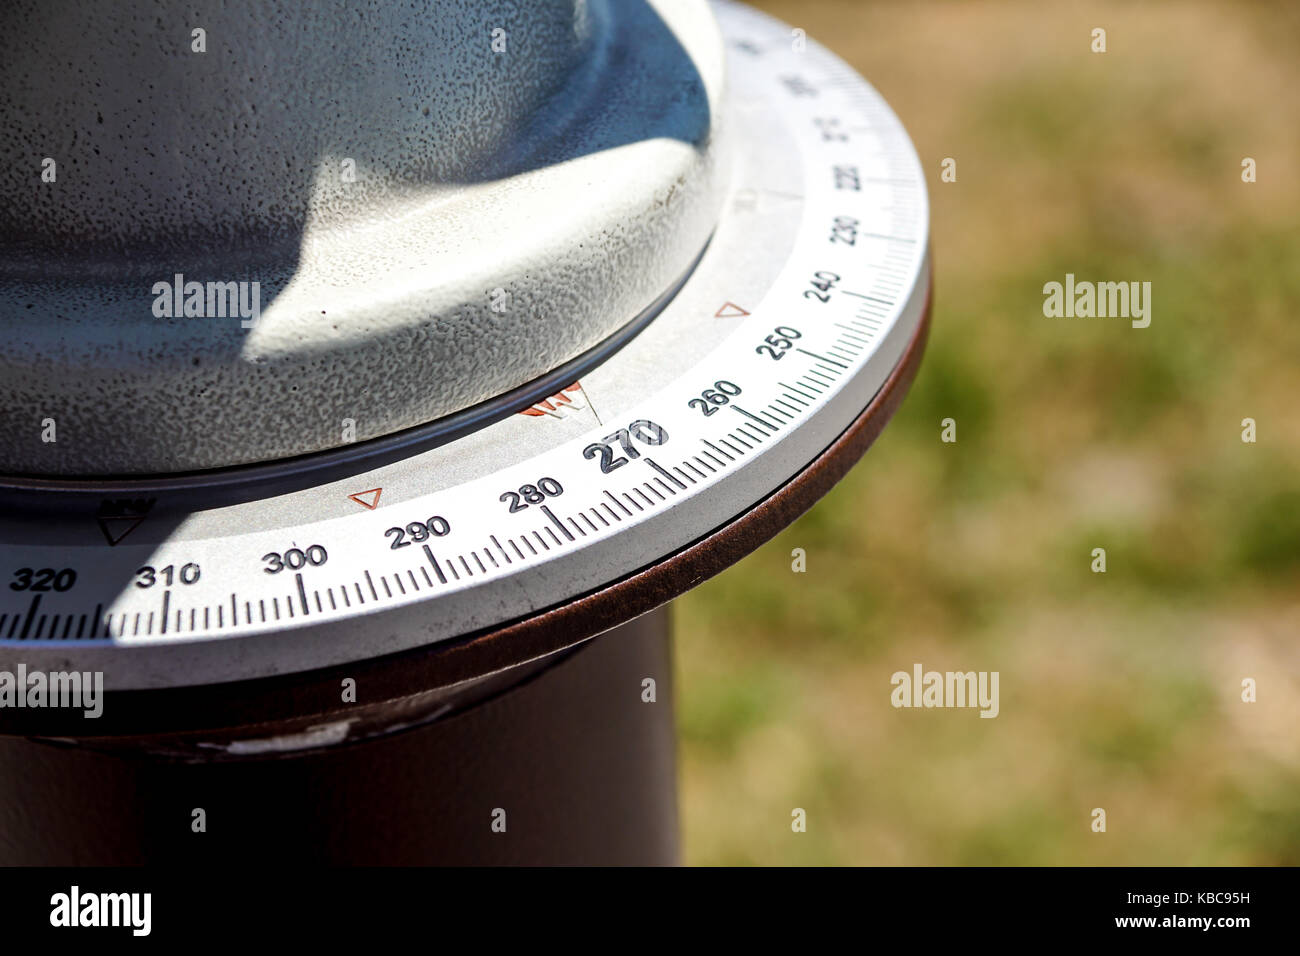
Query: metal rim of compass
point(424, 671)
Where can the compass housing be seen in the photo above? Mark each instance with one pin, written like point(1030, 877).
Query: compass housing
point(762, 363)
point(601, 313)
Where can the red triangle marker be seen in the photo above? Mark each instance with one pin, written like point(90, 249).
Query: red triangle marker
point(735, 311)
point(360, 498)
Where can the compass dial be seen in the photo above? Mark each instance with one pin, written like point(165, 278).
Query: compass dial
point(809, 295)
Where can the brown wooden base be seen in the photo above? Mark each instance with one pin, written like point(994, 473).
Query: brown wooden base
point(581, 765)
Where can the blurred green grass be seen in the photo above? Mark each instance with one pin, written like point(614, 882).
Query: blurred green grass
point(1119, 690)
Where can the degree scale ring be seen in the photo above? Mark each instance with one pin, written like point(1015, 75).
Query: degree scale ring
point(813, 290)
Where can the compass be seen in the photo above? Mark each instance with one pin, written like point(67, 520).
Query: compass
point(616, 337)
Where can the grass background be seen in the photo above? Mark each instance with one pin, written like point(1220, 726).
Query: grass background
point(1119, 690)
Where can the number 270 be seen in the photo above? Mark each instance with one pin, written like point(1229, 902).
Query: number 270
point(641, 430)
